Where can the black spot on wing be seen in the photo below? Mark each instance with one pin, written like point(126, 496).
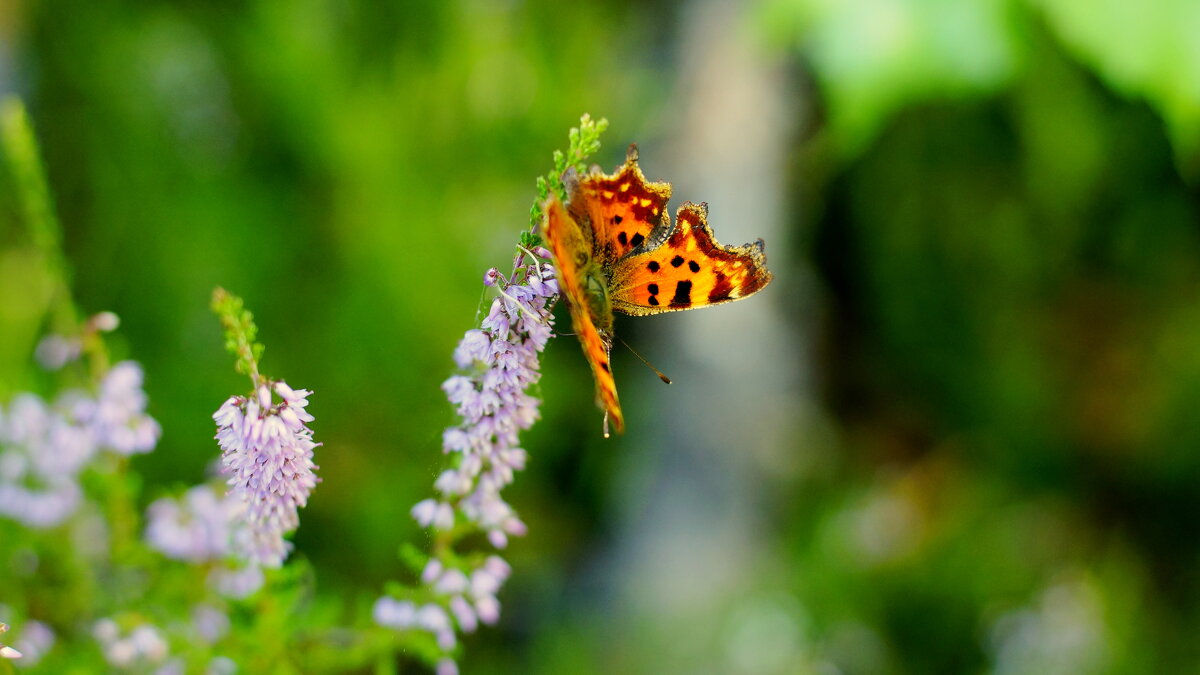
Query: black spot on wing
point(683, 294)
point(653, 266)
point(604, 365)
point(677, 261)
point(653, 290)
point(617, 220)
point(636, 240)
point(693, 266)
point(621, 237)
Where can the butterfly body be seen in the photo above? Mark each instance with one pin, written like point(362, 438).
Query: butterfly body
point(617, 250)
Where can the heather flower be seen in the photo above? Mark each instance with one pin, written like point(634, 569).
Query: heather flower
point(210, 623)
point(500, 362)
point(267, 450)
point(402, 614)
point(206, 526)
point(142, 646)
point(7, 652)
point(36, 639)
point(119, 417)
point(221, 665)
point(172, 667)
point(236, 584)
point(56, 351)
point(266, 445)
point(198, 527)
point(40, 509)
point(41, 453)
point(44, 447)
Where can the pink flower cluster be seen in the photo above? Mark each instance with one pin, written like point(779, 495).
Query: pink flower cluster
point(267, 451)
point(499, 361)
point(45, 446)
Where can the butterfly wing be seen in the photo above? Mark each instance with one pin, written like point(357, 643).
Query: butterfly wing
point(689, 269)
point(624, 211)
point(583, 282)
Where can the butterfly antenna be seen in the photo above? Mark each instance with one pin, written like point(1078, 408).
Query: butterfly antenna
point(657, 372)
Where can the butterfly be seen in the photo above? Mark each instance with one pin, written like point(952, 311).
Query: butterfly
point(616, 250)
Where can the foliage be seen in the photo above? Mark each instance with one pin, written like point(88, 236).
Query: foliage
point(584, 141)
point(240, 332)
point(984, 306)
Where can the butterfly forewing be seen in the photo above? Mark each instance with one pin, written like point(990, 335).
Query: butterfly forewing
point(624, 211)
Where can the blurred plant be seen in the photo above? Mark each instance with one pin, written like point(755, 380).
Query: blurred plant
point(875, 58)
point(78, 576)
point(498, 363)
point(1063, 632)
point(583, 142)
point(206, 553)
point(58, 457)
point(44, 448)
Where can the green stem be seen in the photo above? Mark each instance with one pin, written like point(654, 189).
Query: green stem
point(240, 333)
point(21, 153)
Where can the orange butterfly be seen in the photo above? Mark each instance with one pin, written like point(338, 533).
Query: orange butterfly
point(616, 249)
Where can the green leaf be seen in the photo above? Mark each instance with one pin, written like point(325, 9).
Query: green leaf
point(240, 332)
point(583, 142)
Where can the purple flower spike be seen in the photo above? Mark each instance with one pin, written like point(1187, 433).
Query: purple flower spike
point(499, 362)
point(267, 452)
point(493, 404)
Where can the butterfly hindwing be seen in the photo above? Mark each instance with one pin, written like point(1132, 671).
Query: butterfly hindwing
point(591, 315)
point(623, 211)
point(689, 269)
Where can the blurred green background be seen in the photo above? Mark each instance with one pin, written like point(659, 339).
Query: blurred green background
point(957, 434)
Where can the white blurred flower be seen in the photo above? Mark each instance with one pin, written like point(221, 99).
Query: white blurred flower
point(392, 613)
point(210, 623)
point(236, 583)
point(197, 527)
point(1063, 632)
point(56, 351)
point(144, 645)
point(36, 639)
point(172, 667)
point(221, 665)
point(119, 418)
point(44, 447)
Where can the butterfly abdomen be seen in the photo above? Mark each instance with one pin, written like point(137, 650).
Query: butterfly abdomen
point(595, 287)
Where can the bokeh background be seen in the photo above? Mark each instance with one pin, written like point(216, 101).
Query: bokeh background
point(957, 434)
